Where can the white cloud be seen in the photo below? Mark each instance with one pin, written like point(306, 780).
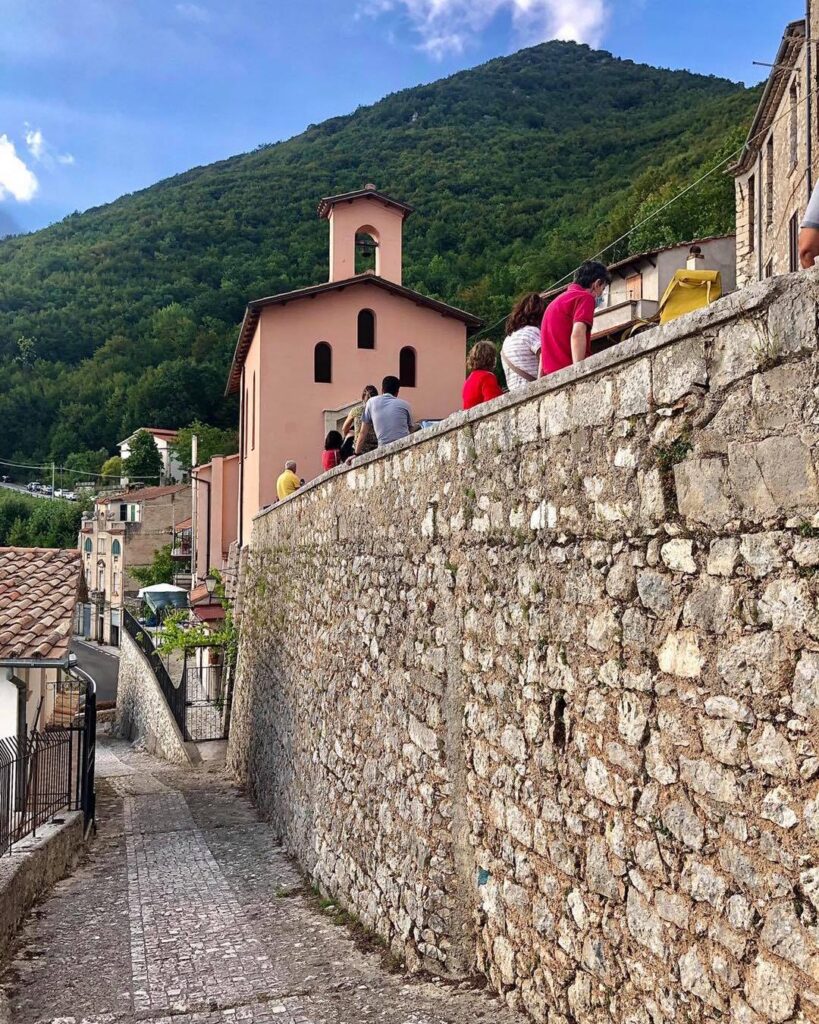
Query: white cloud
point(16, 179)
point(193, 12)
point(35, 143)
point(42, 151)
point(448, 26)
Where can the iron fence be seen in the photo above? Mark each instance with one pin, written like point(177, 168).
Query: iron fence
point(51, 769)
point(197, 699)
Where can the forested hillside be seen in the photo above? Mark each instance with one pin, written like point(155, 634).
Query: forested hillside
point(126, 315)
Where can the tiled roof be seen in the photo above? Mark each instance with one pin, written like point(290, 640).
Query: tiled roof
point(142, 494)
point(186, 524)
point(160, 432)
point(39, 590)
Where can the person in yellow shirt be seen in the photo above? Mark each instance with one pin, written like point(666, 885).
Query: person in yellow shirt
point(288, 482)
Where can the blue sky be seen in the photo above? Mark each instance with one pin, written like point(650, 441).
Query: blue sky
point(102, 97)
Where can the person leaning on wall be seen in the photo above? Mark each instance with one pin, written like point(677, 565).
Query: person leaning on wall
point(520, 353)
point(566, 330)
point(809, 232)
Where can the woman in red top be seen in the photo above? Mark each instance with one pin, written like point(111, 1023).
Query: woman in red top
point(331, 456)
point(481, 384)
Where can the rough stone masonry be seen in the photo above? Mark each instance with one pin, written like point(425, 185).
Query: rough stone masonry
point(536, 693)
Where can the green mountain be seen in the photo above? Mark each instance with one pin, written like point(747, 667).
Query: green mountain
point(126, 315)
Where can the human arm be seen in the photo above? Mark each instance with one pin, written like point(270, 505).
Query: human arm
point(349, 424)
point(582, 319)
point(580, 335)
point(490, 388)
point(363, 435)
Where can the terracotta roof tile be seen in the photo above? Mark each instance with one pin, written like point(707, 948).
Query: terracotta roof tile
point(143, 494)
point(39, 590)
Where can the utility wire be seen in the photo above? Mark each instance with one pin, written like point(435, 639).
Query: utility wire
point(655, 213)
point(67, 469)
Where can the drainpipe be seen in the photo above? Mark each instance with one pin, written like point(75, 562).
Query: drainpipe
point(758, 208)
point(206, 483)
point(809, 94)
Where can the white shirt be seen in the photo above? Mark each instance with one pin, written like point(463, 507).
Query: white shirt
point(522, 347)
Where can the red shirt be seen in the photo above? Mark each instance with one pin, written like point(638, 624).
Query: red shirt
point(480, 386)
point(330, 458)
point(575, 305)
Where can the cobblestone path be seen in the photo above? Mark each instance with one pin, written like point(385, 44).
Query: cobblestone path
point(187, 912)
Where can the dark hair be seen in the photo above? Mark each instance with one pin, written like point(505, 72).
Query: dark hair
point(528, 312)
point(390, 386)
point(370, 391)
point(482, 356)
point(332, 441)
point(591, 272)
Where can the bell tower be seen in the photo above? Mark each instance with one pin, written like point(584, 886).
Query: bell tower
point(363, 223)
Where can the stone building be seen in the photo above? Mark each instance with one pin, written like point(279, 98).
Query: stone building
point(778, 166)
point(125, 530)
point(304, 352)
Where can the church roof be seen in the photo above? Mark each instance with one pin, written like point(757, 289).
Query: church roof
point(254, 310)
point(369, 192)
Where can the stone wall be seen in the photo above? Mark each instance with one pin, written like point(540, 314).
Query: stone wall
point(142, 711)
point(536, 693)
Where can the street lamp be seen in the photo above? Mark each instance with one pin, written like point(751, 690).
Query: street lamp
point(210, 584)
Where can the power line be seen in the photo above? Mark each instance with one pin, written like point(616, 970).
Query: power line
point(655, 213)
point(67, 469)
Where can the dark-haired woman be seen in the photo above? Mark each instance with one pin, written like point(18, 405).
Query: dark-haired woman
point(331, 456)
point(481, 384)
point(351, 427)
point(520, 353)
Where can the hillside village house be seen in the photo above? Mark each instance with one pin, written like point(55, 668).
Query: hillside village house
point(216, 504)
point(125, 530)
point(779, 164)
point(172, 471)
point(303, 357)
point(639, 282)
point(39, 592)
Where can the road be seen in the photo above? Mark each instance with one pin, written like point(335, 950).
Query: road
point(102, 667)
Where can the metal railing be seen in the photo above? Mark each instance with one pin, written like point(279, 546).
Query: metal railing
point(51, 769)
point(174, 695)
point(197, 701)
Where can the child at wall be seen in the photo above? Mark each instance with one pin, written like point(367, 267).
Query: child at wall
point(331, 456)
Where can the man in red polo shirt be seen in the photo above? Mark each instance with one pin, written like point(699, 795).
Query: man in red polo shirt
point(565, 331)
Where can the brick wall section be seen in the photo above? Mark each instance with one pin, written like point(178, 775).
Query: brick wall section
point(536, 694)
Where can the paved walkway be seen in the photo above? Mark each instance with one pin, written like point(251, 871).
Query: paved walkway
point(187, 912)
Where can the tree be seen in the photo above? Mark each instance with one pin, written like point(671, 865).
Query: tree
point(112, 469)
point(161, 570)
point(212, 441)
point(144, 464)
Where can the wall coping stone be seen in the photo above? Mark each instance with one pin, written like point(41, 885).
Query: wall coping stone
point(754, 298)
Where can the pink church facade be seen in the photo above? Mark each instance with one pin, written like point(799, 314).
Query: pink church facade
point(304, 357)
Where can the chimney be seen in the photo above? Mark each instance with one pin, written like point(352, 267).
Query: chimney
point(696, 260)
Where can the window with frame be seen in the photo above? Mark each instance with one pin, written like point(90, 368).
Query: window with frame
point(751, 213)
point(407, 368)
point(115, 583)
point(253, 416)
point(634, 287)
point(793, 243)
point(769, 268)
point(100, 577)
point(101, 545)
point(323, 363)
point(88, 545)
point(794, 126)
point(366, 329)
point(769, 181)
point(116, 549)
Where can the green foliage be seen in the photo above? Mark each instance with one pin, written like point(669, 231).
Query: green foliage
point(111, 469)
point(38, 522)
point(144, 464)
point(212, 441)
point(127, 315)
point(179, 634)
point(161, 570)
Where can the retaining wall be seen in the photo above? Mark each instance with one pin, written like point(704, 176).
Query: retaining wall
point(142, 711)
point(535, 693)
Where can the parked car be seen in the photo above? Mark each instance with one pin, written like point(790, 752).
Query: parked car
point(32, 487)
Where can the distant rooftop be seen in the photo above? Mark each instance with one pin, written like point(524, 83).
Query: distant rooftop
point(368, 192)
point(142, 494)
point(39, 590)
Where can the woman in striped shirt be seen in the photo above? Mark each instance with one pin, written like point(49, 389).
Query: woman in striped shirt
point(520, 354)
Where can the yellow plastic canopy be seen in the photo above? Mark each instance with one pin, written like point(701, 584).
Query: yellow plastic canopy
point(689, 290)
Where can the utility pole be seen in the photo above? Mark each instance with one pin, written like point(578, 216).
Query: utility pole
point(52, 481)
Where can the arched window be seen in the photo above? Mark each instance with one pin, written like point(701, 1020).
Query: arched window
point(88, 545)
point(116, 548)
point(366, 329)
point(366, 250)
point(406, 367)
point(323, 363)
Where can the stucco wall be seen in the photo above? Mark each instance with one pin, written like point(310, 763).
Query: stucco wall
point(142, 711)
point(536, 694)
